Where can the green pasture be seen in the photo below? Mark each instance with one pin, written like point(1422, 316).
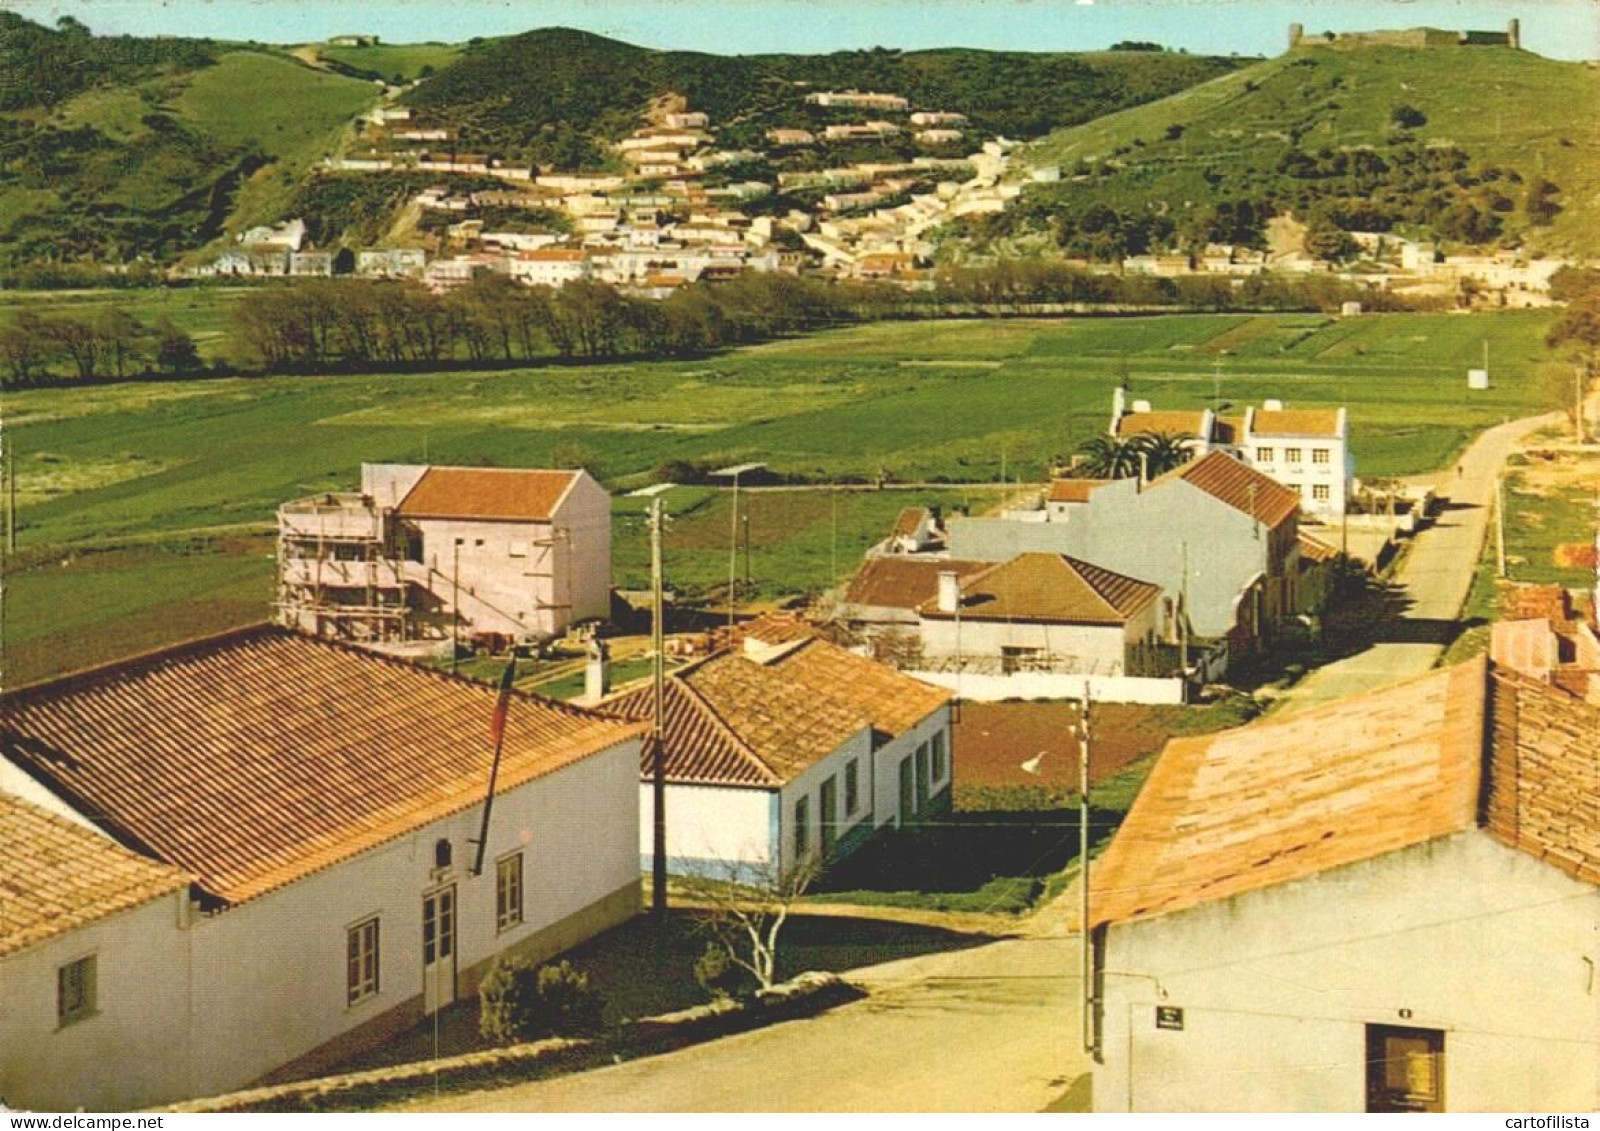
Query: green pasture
point(388, 60)
point(200, 311)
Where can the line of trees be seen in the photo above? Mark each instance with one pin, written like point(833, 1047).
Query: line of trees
point(110, 344)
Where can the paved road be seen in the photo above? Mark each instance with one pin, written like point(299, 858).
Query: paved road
point(1436, 574)
point(993, 1028)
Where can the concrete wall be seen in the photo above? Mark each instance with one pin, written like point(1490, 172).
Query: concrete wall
point(1142, 534)
point(1461, 934)
point(239, 994)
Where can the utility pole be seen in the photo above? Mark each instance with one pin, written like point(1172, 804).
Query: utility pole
point(1086, 972)
point(745, 522)
point(733, 554)
point(833, 541)
point(10, 443)
point(455, 609)
point(1183, 613)
point(658, 761)
point(1500, 526)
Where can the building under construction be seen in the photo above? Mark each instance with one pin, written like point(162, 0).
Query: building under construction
point(434, 553)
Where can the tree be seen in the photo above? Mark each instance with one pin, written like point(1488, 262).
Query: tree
point(1161, 451)
point(744, 914)
point(1407, 117)
point(1106, 457)
point(1326, 240)
point(1577, 332)
point(175, 350)
point(25, 349)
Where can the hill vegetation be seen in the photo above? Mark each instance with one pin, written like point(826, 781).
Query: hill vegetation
point(1471, 146)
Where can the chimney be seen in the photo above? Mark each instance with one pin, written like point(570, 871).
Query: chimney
point(597, 671)
point(1119, 406)
point(949, 591)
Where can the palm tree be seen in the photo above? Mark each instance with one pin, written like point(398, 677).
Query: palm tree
point(1162, 451)
point(1106, 457)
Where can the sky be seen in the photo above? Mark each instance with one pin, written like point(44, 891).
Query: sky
point(1563, 29)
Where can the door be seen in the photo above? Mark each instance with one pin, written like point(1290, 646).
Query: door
point(908, 801)
point(1405, 1069)
point(438, 949)
point(830, 816)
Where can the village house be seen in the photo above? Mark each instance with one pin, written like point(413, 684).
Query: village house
point(857, 98)
point(551, 266)
point(938, 118)
point(251, 857)
point(784, 747)
point(1220, 538)
point(786, 137)
point(432, 553)
point(1408, 923)
point(937, 137)
point(316, 263)
point(394, 263)
point(686, 120)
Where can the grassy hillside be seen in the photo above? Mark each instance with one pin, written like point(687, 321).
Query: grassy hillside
point(159, 155)
point(556, 94)
point(405, 61)
point(1488, 123)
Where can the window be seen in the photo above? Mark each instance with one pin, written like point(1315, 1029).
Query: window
point(1405, 1069)
point(75, 991)
point(829, 812)
point(508, 892)
point(442, 853)
point(852, 786)
point(1320, 455)
point(922, 777)
point(802, 828)
point(1291, 455)
point(1319, 492)
point(1264, 455)
point(361, 973)
point(938, 756)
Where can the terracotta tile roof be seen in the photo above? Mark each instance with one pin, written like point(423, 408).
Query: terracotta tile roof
point(56, 875)
point(1074, 490)
point(731, 720)
point(1295, 422)
point(484, 492)
point(1544, 776)
point(1049, 587)
point(258, 757)
point(909, 521)
point(893, 700)
point(1238, 485)
point(903, 582)
point(1529, 646)
point(1169, 422)
point(1315, 549)
point(776, 628)
point(1284, 799)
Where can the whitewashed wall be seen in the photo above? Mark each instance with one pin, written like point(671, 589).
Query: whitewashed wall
point(887, 759)
point(710, 829)
point(1461, 934)
point(809, 785)
point(1104, 648)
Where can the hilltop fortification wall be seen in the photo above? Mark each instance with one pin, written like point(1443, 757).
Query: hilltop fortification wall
point(1417, 37)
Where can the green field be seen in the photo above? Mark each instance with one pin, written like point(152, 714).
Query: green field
point(926, 402)
point(388, 60)
point(201, 312)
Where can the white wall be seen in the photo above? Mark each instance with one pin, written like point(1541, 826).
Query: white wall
point(585, 514)
point(887, 758)
point(809, 785)
point(1461, 934)
point(709, 828)
point(1103, 648)
point(1057, 685)
point(264, 982)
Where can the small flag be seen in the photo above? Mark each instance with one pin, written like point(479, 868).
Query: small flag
point(502, 703)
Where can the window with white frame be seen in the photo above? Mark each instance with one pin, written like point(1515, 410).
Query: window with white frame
point(508, 892)
point(361, 952)
point(1321, 455)
point(75, 991)
point(938, 757)
point(1264, 455)
point(1291, 455)
point(1319, 492)
point(852, 786)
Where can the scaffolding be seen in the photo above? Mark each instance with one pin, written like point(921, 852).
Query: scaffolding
point(338, 572)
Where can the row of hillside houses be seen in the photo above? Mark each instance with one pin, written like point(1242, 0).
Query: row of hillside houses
point(1385, 904)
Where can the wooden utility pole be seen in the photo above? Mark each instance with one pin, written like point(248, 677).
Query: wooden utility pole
point(1086, 972)
point(11, 491)
point(1183, 613)
point(733, 553)
point(658, 760)
point(455, 607)
point(1500, 526)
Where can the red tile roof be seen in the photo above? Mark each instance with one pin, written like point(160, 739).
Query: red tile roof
point(903, 582)
point(1287, 798)
point(909, 522)
point(1049, 587)
point(1239, 486)
point(487, 493)
point(1074, 490)
point(261, 756)
point(893, 700)
point(1295, 422)
point(56, 876)
point(1315, 549)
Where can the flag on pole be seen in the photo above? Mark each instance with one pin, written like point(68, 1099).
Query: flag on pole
point(502, 703)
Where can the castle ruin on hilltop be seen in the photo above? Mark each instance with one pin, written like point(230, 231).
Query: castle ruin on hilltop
point(1408, 37)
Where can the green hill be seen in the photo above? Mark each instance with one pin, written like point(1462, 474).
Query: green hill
point(1463, 145)
point(557, 95)
point(151, 147)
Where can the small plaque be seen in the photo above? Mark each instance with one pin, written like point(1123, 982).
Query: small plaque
point(1169, 1017)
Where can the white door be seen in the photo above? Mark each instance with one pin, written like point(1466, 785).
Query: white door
point(438, 949)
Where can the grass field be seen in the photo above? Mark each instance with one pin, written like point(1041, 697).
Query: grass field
point(201, 312)
point(389, 60)
point(99, 466)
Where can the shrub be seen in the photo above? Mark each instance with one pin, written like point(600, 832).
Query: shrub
point(519, 1003)
point(716, 973)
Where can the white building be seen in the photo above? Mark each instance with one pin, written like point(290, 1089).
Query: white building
point(1388, 903)
point(787, 747)
point(553, 266)
point(433, 552)
point(305, 881)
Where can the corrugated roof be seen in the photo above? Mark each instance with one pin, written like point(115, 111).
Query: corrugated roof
point(1163, 422)
point(1239, 486)
point(899, 582)
point(56, 876)
point(488, 493)
point(1074, 490)
point(1049, 587)
point(1295, 422)
point(261, 756)
point(1284, 799)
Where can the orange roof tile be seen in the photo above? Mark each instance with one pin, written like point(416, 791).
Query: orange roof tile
point(56, 876)
point(903, 582)
point(513, 494)
point(1295, 422)
point(1074, 490)
point(1049, 587)
point(258, 757)
point(1239, 486)
point(1315, 549)
point(1287, 798)
point(909, 521)
point(1167, 422)
point(895, 701)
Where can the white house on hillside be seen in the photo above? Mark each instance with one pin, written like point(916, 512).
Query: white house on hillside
point(253, 856)
point(1388, 903)
point(786, 747)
